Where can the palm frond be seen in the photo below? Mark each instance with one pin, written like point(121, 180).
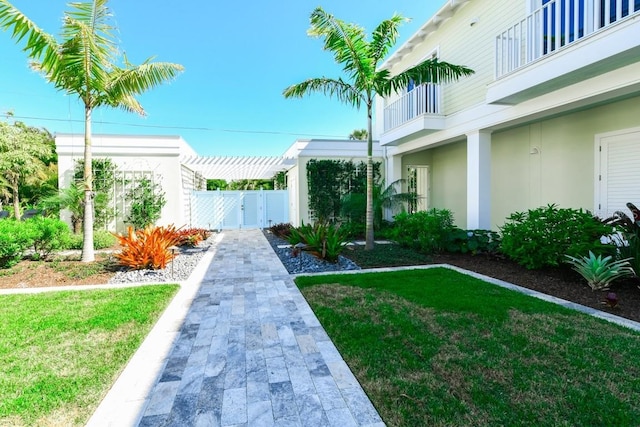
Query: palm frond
point(429, 71)
point(38, 43)
point(332, 87)
point(384, 37)
point(139, 79)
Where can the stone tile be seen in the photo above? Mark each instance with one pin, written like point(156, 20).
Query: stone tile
point(301, 380)
point(153, 420)
point(183, 412)
point(311, 412)
point(341, 417)
point(162, 398)
point(173, 369)
point(329, 393)
point(342, 375)
point(316, 364)
point(360, 406)
point(307, 344)
point(234, 406)
point(277, 369)
point(260, 414)
point(283, 400)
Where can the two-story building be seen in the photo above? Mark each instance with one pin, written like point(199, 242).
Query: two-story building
point(551, 115)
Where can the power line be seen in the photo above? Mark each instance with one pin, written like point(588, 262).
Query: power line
point(205, 129)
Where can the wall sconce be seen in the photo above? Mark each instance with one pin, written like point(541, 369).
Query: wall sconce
point(474, 21)
point(534, 150)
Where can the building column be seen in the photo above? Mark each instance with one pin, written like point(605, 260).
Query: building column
point(479, 180)
point(393, 172)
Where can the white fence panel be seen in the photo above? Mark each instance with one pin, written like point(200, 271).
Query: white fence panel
point(219, 210)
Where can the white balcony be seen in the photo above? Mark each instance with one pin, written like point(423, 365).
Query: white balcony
point(561, 42)
point(418, 109)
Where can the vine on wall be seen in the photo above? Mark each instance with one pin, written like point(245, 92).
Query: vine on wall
point(330, 180)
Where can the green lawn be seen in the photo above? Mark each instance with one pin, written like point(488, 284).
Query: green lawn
point(61, 351)
point(435, 347)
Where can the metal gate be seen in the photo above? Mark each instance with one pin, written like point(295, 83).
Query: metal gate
point(219, 210)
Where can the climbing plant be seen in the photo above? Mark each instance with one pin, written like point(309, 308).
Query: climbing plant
point(147, 200)
point(330, 180)
point(104, 178)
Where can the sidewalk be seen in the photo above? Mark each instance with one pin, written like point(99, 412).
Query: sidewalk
point(250, 352)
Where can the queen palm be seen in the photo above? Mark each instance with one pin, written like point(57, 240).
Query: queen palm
point(85, 63)
point(361, 58)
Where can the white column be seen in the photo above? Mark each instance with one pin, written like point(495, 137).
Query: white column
point(393, 172)
point(479, 180)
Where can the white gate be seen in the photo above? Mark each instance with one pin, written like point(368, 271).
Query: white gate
point(219, 210)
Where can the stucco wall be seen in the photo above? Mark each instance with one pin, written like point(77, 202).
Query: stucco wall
point(158, 154)
point(562, 171)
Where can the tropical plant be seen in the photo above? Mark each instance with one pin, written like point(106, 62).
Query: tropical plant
point(85, 63)
point(101, 239)
point(599, 272)
point(472, 241)
point(47, 235)
point(281, 230)
point(541, 237)
point(361, 60)
point(325, 241)
point(148, 248)
point(147, 200)
point(425, 231)
point(72, 199)
point(359, 135)
point(21, 151)
point(14, 241)
point(353, 205)
point(628, 241)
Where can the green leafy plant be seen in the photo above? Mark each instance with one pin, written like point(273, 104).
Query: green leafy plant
point(628, 241)
point(101, 239)
point(147, 248)
point(425, 231)
point(147, 200)
point(14, 240)
point(324, 240)
point(599, 272)
point(472, 241)
point(541, 237)
point(47, 235)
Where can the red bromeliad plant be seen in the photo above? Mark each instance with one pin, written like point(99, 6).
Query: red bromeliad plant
point(147, 248)
point(192, 236)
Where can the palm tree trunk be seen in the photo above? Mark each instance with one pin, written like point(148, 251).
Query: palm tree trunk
point(16, 201)
point(87, 224)
point(369, 217)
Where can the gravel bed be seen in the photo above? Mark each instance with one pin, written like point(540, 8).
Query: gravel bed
point(305, 262)
point(178, 269)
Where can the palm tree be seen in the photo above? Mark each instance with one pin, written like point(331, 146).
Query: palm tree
point(360, 59)
point(85, 64)
point(359, 135)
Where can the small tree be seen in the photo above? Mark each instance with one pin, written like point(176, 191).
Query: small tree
point(359, 135)
point(21, 151)
point(147, 200)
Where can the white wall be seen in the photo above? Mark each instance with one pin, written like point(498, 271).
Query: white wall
point(132, 153)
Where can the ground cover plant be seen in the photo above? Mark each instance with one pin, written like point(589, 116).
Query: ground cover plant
point(434, 347)
point(60, 352)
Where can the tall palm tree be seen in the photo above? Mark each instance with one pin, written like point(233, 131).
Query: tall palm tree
point(85, 63)
point(360, 58)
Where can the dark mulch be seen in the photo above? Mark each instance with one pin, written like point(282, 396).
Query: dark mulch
point(560, 282)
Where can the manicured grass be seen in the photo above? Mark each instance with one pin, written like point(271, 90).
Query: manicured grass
point(435, 347)
point(61, 351)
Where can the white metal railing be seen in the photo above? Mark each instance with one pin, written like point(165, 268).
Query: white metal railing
point(423, 99)
point(556, 24)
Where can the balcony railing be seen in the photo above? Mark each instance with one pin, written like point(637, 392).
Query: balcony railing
point(423, 99)
point(556, 24)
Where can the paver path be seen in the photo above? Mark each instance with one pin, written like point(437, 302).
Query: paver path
point(252, 353)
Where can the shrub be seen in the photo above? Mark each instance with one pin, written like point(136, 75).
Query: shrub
point(326, 241)
point(281, 230)
point(425, 231)
point(600, 272)
point(47, 235)
point(14, 240)
point(472, 241)
point(192, 236)
point(541, 237)
point(628, 239)
point(147, 248)
point(101, 239)
point(147, 200)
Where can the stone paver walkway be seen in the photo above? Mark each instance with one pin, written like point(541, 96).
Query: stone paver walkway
point(252, 353)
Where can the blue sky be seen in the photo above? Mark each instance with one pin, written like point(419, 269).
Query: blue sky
point(238, 56)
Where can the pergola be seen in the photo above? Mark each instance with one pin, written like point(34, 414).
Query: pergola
point(237, 168)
